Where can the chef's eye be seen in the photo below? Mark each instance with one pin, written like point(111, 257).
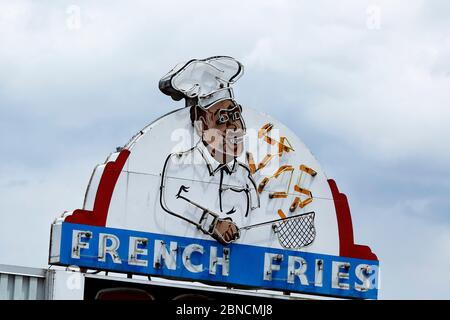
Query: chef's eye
point(236, 115)
point(223, 118)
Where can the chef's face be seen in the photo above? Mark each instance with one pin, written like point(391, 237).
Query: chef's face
point(223, 130)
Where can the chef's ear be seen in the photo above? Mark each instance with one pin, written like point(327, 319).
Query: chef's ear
point(198, 119)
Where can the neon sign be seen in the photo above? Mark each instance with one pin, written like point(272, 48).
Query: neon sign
point(217, 185)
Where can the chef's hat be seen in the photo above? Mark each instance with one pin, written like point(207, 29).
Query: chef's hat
point(202, 82)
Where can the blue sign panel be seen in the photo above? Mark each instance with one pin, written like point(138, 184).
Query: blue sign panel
point(208, 261)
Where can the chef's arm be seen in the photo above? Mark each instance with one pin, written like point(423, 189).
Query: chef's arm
point(207, 219)
point(223, 230)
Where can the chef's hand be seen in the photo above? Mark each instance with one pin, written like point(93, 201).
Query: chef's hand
point(225, 231)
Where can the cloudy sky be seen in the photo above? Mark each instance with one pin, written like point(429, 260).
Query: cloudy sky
point(365, 84)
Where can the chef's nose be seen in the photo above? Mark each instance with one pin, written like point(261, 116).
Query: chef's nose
point(232, 125)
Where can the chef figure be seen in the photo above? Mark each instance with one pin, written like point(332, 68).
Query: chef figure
point(206, 185)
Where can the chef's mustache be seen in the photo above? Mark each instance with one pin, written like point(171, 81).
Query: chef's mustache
point(215, 134)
